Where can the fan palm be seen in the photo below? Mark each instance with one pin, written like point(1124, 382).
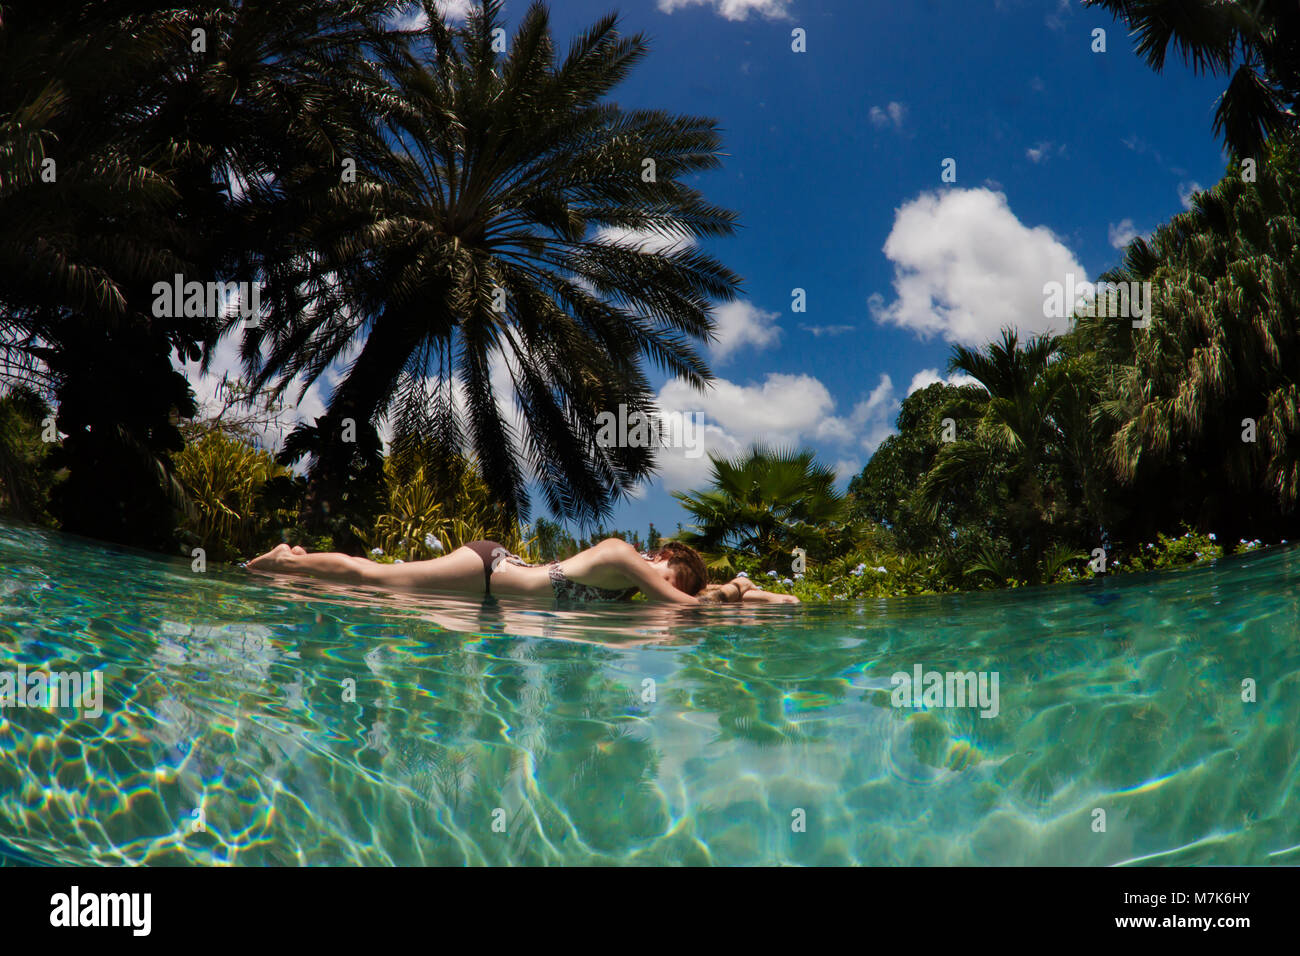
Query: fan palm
point(498, 254)
point(764, 504)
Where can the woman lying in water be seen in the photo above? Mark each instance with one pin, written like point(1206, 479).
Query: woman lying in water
point(609, 571)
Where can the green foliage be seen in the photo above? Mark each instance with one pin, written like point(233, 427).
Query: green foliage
point(763, 504)
point(1203, 408)
point(554, 543)
point(146, 136)
point(1166, 553)
point(25, 473)
point(434, 509)
point(474, 235)
point(963, 513)
point(226, 480)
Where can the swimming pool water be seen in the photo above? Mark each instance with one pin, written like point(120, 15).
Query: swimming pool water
point(480, 735)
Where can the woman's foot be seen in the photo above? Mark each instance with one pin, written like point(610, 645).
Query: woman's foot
point(277, 559)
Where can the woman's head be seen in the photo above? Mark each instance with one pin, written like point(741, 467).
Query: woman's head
point(686, 567)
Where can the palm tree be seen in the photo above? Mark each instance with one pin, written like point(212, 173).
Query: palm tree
point(1257, 41)
point(763, 504)
point(480, 261)
point(1015, 419)
point(1223, 347)
point(147, 127)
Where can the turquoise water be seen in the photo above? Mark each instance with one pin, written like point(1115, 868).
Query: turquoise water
point(500, 737)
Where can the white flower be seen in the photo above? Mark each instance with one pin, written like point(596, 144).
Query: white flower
point(432, 543)
point(857, 572)
point(882, 570)
point(742, 574)
point(798, 577)
point(771, 574)
point(376, 551)
point(786, 581)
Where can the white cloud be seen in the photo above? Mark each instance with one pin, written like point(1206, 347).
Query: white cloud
point(872, 420)
point(643, 240)
point(965, 266)
point(734, 9)
point(737, 324)
point(783, 411)
point(1041, 152)
point(832, 330)
point(1056, 20)
point(226, 362)
point(413, 16)
point(930, 376)
point(742, 324)
point(1186, 191)
point(847, 469)
point(893, 114)
point(455, 9)
point(1121, 233)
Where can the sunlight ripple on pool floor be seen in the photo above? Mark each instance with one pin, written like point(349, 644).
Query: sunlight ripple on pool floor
point(230, 733)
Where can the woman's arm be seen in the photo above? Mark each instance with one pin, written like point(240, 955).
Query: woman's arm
point(749, 591)
point(650, 582)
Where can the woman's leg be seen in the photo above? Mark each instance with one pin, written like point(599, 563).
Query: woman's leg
point(461, 571)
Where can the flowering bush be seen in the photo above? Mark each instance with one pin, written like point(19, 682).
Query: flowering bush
point(1188, 549)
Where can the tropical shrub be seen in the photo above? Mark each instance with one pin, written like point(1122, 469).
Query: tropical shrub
point(763, 504)
point(226, 480)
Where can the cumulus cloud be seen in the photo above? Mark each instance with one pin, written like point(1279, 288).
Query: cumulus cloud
point(893, 114)
point(930, 376)
point(741, 325)
point(734, 9)
point(413, 16)
point(965, 266)
point(226, 363)
point(1186, 191)
point(783, 411)
point(1122, 233)
point(738, 325)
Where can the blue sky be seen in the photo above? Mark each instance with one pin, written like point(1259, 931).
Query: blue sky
point(833, 164)
point(1061, 154)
